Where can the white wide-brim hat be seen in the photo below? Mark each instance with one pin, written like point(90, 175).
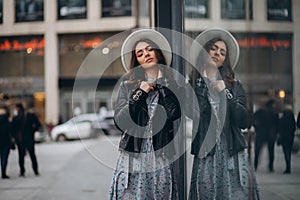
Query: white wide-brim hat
point(209, 34)
point(151, 34)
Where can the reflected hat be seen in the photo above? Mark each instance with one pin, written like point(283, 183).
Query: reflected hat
point(209, 34)
point(153, 35)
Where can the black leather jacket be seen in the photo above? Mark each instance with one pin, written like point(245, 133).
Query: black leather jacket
point(131, 116)
point(236, 117)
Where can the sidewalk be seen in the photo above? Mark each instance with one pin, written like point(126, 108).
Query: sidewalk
point(279, 186)
point(83, 171)
point(68, 171)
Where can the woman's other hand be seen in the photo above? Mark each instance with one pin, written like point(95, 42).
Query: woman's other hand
point(218, 85)
point(146, 86)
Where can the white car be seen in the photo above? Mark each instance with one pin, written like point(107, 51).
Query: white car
point(78, 127)
point(105, 124)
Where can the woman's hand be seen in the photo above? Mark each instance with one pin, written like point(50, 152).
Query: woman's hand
point(218, 85)
point(146, 86)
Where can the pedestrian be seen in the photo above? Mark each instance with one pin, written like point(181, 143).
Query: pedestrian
point(221, 168)
point(287, 127)
point(144, 168)
point(266, 131)
point(5, 139)
point(24, 125)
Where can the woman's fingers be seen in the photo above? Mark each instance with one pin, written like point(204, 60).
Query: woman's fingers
point(147, 87)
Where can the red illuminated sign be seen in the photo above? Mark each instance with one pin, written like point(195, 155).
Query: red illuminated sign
point(39, 44)
point(263, 41)
point(16, 45)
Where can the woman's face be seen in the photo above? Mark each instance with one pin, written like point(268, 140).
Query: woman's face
point(217, 53)
point(145, 55)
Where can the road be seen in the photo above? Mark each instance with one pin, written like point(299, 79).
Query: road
point(80, 170)
point(69, 170)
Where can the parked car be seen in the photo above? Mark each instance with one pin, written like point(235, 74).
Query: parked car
point(105, 124)
point(78, 127)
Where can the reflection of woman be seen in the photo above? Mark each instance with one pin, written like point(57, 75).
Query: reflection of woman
point(221, 168)
point(145, 110)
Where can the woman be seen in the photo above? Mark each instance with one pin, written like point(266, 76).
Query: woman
point(145, 110)
point(221, 168)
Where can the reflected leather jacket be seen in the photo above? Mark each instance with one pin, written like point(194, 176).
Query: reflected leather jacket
point(236, 118)
point(131, 115)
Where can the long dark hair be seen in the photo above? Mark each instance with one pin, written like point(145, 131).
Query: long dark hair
point(137, 73)
point(225, 70)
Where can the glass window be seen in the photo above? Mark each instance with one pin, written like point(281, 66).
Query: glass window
point(196, 8)
point(279, 10)
point(233, 9)
point(266, 60)
point(28, 11)
point(72, 9)
point(74, 49)
point(22, 56)
point(116, 8)
point(1, 11)
point(250, 9)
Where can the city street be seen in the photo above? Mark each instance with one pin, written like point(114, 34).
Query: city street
point(81, 170)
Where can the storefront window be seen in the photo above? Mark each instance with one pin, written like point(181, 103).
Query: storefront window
point(22, 71)
point(72, 9)
point(279, 10)
point(116, 8)
point(22, 56)
point(273, 69)
point(28, 11)
point(196, 8)
point(73, 50)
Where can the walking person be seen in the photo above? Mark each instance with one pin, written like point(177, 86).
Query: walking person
point(145, 110)
point(24, 125)
point(266, 131)
point(287, 127)
point(5, 139)
point(221, 167)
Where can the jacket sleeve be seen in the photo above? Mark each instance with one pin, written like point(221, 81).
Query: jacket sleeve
point(169, 99)
point(130, 109)
point(237, 105)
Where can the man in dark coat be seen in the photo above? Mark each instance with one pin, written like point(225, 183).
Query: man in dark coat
point(5, 139)
point(287, 127)
point(266, 129)
point(24, 125)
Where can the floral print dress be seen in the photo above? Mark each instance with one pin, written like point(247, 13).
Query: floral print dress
point(148, 176)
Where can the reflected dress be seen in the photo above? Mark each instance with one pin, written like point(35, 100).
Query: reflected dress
point(219, 176)
point(148, 176)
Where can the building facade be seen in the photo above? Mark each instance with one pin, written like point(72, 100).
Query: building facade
point(44, 45)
